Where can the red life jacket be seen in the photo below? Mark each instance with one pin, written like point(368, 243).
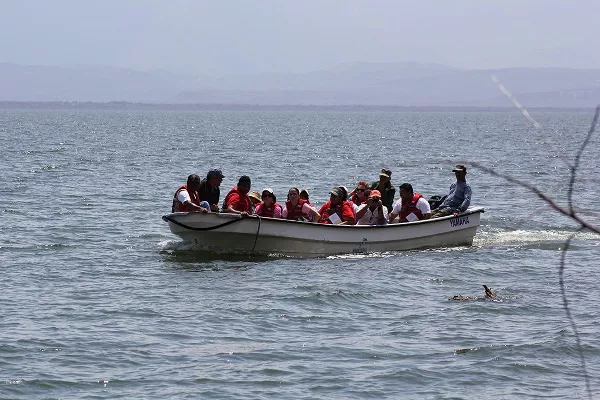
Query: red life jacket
point(179, 206)
point(245, 202)
point(329, 210)
point(268, 212)
point(411, 208)
point(351, 205)
point(295, 213)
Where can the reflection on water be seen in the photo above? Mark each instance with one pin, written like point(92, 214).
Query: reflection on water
point(186, 257)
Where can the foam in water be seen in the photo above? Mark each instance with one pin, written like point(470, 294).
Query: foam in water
point(520, 236)
point(177, 245)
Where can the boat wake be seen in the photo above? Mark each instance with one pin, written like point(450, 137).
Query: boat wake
point(545, 239)
point(177, 245)
point(386, 254)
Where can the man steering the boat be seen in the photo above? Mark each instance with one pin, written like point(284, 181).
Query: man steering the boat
point(459, 198)
point(187, 199)
point(336, 210)
point(237, 200)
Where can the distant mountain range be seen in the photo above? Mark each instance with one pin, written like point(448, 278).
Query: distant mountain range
point(370, 84)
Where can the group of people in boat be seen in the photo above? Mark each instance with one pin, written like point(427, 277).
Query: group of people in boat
point(366, 204)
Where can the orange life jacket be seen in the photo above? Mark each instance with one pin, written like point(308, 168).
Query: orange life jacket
point(179, 206)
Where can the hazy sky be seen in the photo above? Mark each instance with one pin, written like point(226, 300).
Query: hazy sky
point(219, 37)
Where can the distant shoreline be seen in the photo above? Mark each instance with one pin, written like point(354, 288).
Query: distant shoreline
point(127, 106)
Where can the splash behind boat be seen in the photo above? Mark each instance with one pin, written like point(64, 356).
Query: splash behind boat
point(232, 234)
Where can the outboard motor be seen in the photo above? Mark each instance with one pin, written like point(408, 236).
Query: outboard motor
point(436, 201)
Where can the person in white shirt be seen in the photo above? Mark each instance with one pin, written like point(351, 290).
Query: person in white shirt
point(187, 199)
point(411, 206)
point(373, 211)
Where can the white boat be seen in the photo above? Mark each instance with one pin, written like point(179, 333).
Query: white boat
point(232, 234)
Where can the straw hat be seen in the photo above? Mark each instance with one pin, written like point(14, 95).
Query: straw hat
point(255, 196)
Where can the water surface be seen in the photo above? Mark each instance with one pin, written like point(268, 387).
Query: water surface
point(99, 300)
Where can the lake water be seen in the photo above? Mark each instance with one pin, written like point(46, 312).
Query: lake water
point(100, 301)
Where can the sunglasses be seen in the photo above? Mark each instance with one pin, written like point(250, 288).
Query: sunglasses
point(360, 190)
point(375, 198)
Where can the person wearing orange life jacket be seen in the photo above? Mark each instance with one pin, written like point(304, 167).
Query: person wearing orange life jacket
point(411, 206)
point(269, 206)
point(336, 210)
point(237, 200)
point(187, 199)
point(297, 209)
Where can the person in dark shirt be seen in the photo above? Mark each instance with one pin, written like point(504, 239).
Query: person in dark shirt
point(209, 189)
point(385, 187)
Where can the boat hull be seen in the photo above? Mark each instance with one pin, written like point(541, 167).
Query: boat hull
point(229, 233)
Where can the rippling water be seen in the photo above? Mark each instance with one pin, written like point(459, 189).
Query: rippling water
point(99, 300)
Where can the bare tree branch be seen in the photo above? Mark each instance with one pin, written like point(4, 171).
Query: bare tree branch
point(575, 166)
point(563, 293)
point(569, 212)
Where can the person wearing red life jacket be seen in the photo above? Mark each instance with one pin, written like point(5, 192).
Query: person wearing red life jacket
point(298, 209)
point(305, 196)
point(336, 210)
point(269, 206)
point(345, 199)
point(411, 206)
point(237, 200)
point(187, 199)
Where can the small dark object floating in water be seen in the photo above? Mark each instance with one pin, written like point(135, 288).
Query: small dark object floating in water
point(489, 294)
